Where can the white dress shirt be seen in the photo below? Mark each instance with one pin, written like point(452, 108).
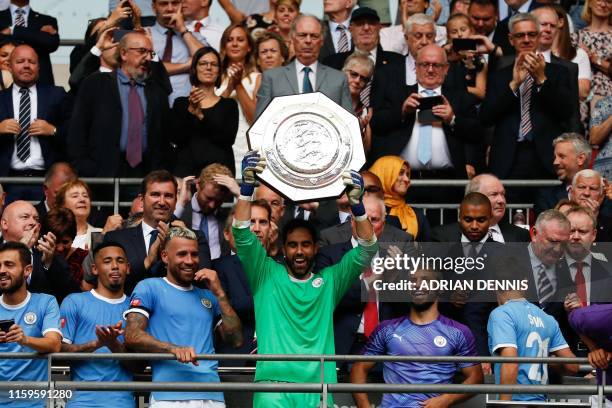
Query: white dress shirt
point(411, 78)
point(213, 228)
point(180, 54)
point(392, 38)
point(335, 34)
point(361, 328)
point(586, 272)
point(440, 155)
point(466, 248)
point(36, 160)
point(210, 32)
point(496, 234)
point(535, 268)
point(146, 234)
point(312, 76)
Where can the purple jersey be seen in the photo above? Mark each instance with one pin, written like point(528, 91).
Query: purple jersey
point(402, 337)
point(595, 322)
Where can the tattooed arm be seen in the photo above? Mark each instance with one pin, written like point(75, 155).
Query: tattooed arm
point(137, 339)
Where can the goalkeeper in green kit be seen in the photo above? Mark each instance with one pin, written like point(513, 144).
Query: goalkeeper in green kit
point(293, 307)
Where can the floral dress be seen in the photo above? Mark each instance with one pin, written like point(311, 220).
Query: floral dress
point(603, 161)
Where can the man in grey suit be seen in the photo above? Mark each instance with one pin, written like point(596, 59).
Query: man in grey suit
point(305, 74)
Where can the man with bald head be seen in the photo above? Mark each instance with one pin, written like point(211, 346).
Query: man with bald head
point(32, 119)
point(119, 127)
point(51, 273)
point(588, 190)
point(305, 74)
point(432, 140)
point(58, 174)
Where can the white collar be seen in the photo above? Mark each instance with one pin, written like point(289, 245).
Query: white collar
point(465, 239)
point(525, 7)
point(547, 55)
point(516, 300)
point(177, 286)
point(299, 66)
point(16, 307)
point(495, 228)
point(25, 8)
point(146, 228)
point(104, 69)
point(437, 91)
point(107, 300)
point(333, 25)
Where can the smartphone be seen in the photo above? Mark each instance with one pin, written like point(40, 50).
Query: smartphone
point(465, 44)
point(119, 34)
point(5, 325)
point(425, 113)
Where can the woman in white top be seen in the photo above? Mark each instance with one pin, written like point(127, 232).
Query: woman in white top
point(239, 80)
point(76, 196)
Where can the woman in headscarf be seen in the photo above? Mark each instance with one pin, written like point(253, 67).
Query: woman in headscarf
point(394, 173)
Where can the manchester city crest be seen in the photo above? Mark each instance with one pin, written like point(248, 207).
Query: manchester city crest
point(206, 303)
point(30, 318)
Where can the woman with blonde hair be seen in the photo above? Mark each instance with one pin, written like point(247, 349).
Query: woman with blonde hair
point(394, 173)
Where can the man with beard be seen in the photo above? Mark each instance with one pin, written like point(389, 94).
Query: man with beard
point(423, 332)
point(92, 322)
point(294, 307)
point(143, 242)
point(30, 323)
point(118, 126)
point(170, 315)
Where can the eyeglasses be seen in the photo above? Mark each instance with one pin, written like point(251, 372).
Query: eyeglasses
point(143, 51)
point(530, 34)
point(431, 65)
point(355, 75)
point(208, 64)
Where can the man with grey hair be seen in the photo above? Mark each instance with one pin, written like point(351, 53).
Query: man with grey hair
point(500, 230)
point(502, 30)
point(118, 124)
point(571, 154)
point(162, 315)
point(305, 74)
point(522, 102)
point(588, 190)
point(336, 34)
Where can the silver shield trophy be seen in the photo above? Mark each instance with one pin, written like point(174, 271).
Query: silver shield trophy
point(308, 141)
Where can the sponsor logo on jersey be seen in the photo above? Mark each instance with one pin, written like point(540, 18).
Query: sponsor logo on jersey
point(440, 341)
point(30, 318)
point(206, 303)
point(317, 282)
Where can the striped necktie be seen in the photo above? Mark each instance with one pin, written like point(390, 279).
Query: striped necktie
point(525, 130)
point(343, 44)
point(545, 288)
point(20, 18)
point(22, 141)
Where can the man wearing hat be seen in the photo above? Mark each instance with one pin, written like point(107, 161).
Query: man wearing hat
point(364, 28)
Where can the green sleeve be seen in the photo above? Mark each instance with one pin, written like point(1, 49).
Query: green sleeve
point(352, 264)
point(253, 257)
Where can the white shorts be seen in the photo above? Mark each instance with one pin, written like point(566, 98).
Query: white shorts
point(186, 404)
point(594, 399)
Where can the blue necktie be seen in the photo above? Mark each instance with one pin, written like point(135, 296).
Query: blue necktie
point(424, 146)
point(306, 85)
point(153, 237)
point(204, 226)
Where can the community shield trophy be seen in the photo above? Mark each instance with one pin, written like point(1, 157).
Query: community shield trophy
point(308, 141)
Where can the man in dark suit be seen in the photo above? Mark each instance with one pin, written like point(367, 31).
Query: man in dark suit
point(500, 230)
point(572, 153)
point(143, 242)
point(434, 146)
point(204, 212)
point(119, 128)
point(21, 24)
point(365, 27)
point(337, 37)
point(351, 325)
point(235, 284)
point(50, 273)
point(522, 103)
point(32, 119)
point(305, 74)
point(588, 191)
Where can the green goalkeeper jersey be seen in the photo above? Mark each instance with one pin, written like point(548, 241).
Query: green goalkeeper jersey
point(294, 316)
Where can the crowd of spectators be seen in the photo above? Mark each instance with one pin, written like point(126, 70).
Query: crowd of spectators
point(202, 263)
